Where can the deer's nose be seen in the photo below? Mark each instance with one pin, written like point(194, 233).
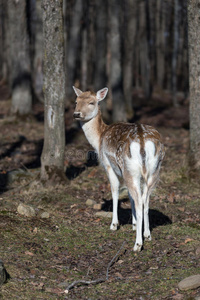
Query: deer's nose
point(77, 115)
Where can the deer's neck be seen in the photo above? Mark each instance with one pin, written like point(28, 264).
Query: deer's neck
point(93, 130)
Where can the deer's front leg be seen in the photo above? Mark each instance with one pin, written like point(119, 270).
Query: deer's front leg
point(114, 182)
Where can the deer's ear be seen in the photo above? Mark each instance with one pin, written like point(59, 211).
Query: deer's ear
point(77, 91)
point(101, 94)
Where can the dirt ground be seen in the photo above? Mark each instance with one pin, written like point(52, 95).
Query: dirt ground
point(44, 255)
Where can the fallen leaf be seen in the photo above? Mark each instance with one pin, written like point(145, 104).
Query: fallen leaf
point(92, 173)
point(181, 209)
point(29, 253)
point(119, 275)
point(188, 240)
point(170, 197)
point(120, 261)
point(73, 205)
point(97, 220)
point(35, 230)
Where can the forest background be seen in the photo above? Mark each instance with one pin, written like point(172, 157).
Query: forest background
point(139, 49)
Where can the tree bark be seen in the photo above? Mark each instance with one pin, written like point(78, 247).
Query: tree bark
point(194, 75)
point(90, 43)
point(52, 159)
point(73, 44)
point(129, 40)
point(116, 63)
point(1, 40)
point(175, 54)
point(19, 55)
point(144, 50)
point(38, 51)
point(100, 76)
point(84, 65)
point(160, 42)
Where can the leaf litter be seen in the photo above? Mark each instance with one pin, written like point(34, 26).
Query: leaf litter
point(45, 256)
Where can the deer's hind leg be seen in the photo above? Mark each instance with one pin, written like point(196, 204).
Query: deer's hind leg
point(133, 185)
point(148, 187)
point(134, 221)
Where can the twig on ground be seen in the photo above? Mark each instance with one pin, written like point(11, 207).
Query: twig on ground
point(103, 279)
point(74, 283)
point(113, 259)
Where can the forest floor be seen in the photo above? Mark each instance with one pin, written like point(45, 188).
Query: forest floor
point(44, 255)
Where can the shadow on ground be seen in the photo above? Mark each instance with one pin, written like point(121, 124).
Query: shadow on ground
point(156, 217)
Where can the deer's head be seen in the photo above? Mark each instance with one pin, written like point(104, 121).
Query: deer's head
point(87, 103)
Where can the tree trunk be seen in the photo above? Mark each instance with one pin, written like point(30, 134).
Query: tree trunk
point(38, 51)
point(160, 42)
point(73, 44)
point(100, 76)
point(144, 50)
point(20, 65)
point(91, 43)
point(84, 65)
point(116, 64)
point(52, 159)
point(175, 54)
point(1, 40)
point(152, 40)
point(129, 40)
point(194, 71)
point(4, 42)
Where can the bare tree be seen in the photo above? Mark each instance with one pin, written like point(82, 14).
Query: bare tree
point(84, 65)
point(52, 159)
point(175, 53)
point(116, 63)
point(194, 69)
point(19, 56)
point(130, 17)
point(37, 50)
point(1, 39)
point(160, 14)
point(100, 76)
point(144, 49)
point(73, 45)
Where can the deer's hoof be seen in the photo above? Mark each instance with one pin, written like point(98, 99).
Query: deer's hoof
point(137, 247)
point(147, 237)
point(113, 226)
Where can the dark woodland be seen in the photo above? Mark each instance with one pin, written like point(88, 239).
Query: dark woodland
point(55, 197)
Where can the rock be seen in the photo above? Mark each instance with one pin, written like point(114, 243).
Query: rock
point(44, 215)
point(189, 283)
point(104, 214)
point(26, 210)
point(2, 273)
point(90, 202)
point(4, 276)
point(97, 206)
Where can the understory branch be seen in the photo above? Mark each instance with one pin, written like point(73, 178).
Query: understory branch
point(96, 281)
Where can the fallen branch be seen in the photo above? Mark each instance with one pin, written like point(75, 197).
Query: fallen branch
point(103, 279)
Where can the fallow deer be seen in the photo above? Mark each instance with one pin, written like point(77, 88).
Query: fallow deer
point(133, 151)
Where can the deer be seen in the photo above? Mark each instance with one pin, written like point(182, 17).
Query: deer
point(128, 150)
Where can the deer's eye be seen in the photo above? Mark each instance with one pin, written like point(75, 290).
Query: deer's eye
point(91, 103)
